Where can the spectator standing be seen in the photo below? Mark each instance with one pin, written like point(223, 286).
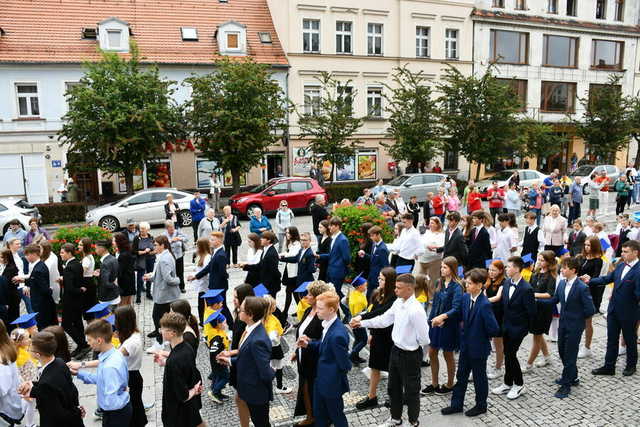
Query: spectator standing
point(284, 219)
point(414, 209)
point(437, 168)
point(474, 200)
point(318, 213)
point(453, 202)
point(623, 190)
point(208, 224)
point(172, 211)
point(536, 201)
point(197, 207)
point(36, 233)
point(465, 194)
point(554, 228)
point(230, 226)
point(575, 200)
point(496, 198)
point(145, 259)
point(15, 231)
point(594, 194)
point(438, 204)
point(178, 247)
point(513, 201)
point(214, 191)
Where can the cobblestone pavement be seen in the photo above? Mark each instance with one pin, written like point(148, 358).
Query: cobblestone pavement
point(597, 401)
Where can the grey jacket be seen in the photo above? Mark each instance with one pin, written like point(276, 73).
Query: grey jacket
point(177, 247)
point(206, 227)
point(108, 290)
point(165, 280)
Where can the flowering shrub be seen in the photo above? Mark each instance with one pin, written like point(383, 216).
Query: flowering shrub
point(352, 219)
point(74, 234)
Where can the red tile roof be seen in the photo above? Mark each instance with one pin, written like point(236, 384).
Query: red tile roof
point(38, 31)
point(481, 13)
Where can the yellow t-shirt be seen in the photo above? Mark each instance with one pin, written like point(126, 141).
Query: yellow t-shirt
point(24, 357)
point(115, 342)
point(207, 331)
point(302, 307)
point(526, 274)
point(357, 302)
point(217, 332)
point(273, 324)
point(422, 297)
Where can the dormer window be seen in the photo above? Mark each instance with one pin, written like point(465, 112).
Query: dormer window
point(232, 38)
point(114, 35)
point(114, 38)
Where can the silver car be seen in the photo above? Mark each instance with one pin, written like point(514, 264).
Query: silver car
point(528, 177)
point(415, 184)
point(145, 205)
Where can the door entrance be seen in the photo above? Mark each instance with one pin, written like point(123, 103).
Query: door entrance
point(275, 166)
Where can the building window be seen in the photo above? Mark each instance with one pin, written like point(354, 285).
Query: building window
point(311, 36)
point(619, 12)
point(422, 42)
point(572, 6)
point(232, 41)
point(601, 9)
point(519, 88)
point(114, 37)
point(374, 39)
point(374, 102)
point(521, 4)
point(560, 51)
point(558, 97)
point(312, 100)
point(346, 94)
point(607, 55)
point(343, 37)
point(552, 6)
point(450, 160)
point(509, 47)
point(498, 3)
point(67, 87)
point(451, 44)
point(28, 104)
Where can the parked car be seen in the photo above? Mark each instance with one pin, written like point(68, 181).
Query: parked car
point(585, 172)
point(12, 208)
point(298, 192)
point(528, 177)
point(146, 205)
point(415, 184)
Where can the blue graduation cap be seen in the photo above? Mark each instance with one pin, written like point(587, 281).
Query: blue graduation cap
point(605, 244)
point(302, 288)
point(216, 317)
point(100, 310)
point(112, 320)
point(527, 258)
point(488, 262)
point(359, 280)
point(26, 320)
point(401, 269)
point(461, 272)
point(635, 216)
point(562, 251)
point(213, 296)
point(260, 290)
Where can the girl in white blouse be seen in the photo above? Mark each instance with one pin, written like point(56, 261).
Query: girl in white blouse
point(88, 266)
point(51, 261)
point(203, 256)
point(506, 237)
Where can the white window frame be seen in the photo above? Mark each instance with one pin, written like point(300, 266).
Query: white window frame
point(341, 36)
point(374, 93)
point(310, 108)
point(238, 48)
point(451, 43)
point(372, 36)
point(422, 51)
point(552, 7)
point(618, 10)
point(310, 32)
point(65, 88)
point(28, 97)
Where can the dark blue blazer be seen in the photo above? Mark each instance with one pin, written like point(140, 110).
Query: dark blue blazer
point(447, 300)
point(578, 306)
point(255, 376)
point(38, 283)
point(306, 265)
point(478, 326)
point(333, 361)
point(377, 261)
point(625, 294)
point(339, 258)
point(519, 310)
point(217, 270)
point(479, 249)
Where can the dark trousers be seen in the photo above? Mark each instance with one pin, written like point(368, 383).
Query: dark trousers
point(495, 212)
point(180, 271)
point(119, 418)
point(568, 345)
point(73, 325)
point(615, 325)
point(259, 415)
point(232, 253)
point(359, 342)
point(149, 262)
point(158, 311)
point(328, 411)
point(404, 261)
point(194, 226)
point(13, 310)
point(596, 295)
point(621, 202)
point(47, 312)
point(512, 373)
point(466, 365)
point(574, 212)
point(201, 308)
point(138, 414)
point(404, 382)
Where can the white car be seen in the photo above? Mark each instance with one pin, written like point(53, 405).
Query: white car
point(528, 177)
point(585, 172)
point(12, 208)
point(145, 205)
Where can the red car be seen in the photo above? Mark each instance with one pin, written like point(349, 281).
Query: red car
point(298, 192)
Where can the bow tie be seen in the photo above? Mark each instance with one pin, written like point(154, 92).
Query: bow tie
point(627, 265)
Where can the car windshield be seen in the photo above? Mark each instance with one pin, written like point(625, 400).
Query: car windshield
point(260, 188)
point(582, 171)
point(502, 176)
point(398, 180)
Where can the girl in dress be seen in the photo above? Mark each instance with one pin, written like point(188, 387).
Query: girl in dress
point(203, 256)
point(493, 291)
point(274, 330)
point(324, 247)
point(254, 253)
point(444, 323)
point(89, 297)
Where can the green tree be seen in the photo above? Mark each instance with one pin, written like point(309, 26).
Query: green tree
point(235, 114)
point(414, 118)
point(537, 139)
point(330, 123)
point(120, 115)
point(634, 122)
point(480, 116)
point(606, 126)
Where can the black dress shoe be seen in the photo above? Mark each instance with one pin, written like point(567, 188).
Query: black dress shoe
point(430, 389)
point(628, 372)
point(443, 389)
point(573, 383)
point(475, 411)
point(425, 363)
point(450, 410)
point(367, 403)
point(604, 371)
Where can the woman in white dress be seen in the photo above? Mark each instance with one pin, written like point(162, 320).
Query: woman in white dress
point(203, 256)
point(430, 259)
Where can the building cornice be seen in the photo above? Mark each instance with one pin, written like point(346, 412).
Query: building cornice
point(377, 58)
point(469, 5)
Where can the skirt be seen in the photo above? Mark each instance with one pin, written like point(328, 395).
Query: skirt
point(138, 417)
point(380, 351)
point(542, 321)
point(445, 338)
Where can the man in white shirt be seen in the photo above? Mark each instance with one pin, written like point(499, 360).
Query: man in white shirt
point(409, 334)
point(400, 203)
point(408, 244)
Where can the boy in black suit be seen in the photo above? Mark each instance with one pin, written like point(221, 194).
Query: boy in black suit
point(56, 396)
point(37, 288)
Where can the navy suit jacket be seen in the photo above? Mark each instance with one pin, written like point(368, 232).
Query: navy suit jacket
point(519, 310)
point(306, 265)
point(377, 261)
point(339, 258)
point(625, 294)
point(333, 361)
point(38, 283)
point(217, 270)
point(255, 376)
point(478, 326)
point(479, 249)
point(577, 307)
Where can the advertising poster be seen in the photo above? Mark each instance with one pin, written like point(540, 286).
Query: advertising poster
point(367, 166)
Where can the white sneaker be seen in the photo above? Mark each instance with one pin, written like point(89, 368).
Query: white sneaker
point(284, 390)
point(502, 389)
point(154, 348)
point(543, 362)
point(527, 369)
point(391, 423)
point(367, 372)
point(622, 351)
point(584, 352)
point(492, 374)
point(384, 374)
point(515, 392)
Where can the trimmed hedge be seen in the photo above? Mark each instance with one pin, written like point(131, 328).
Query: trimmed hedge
point(351, 191)
point(53, 213)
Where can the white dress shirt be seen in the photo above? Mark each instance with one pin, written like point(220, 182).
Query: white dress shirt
point(334, 237)
point(326, 324)
point(408, 244)
point(627, 267)
point(409, 320)
point(247, 332)
point(505, 240)
point(430, 238)
point(513, 287)
point(567, 288)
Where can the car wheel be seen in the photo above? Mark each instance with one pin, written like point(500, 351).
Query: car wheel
point(109, 223)
point(186, 218)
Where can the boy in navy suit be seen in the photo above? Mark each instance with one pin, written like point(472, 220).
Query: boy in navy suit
point(378, 258)
point(339, 258)
point(576, 306)
point(479, 325)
